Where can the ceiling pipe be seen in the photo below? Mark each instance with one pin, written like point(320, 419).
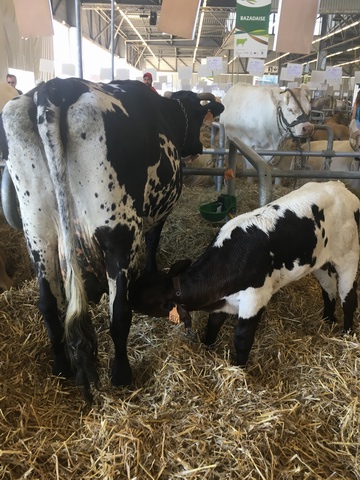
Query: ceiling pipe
point(137, 33)
point(199, 31)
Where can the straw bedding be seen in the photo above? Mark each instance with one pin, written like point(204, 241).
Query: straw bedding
point(293, 413)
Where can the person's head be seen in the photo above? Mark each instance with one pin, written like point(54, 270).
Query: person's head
point(11, 79)
point(147, 78)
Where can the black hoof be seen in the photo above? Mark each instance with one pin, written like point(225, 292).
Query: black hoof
point(121, 374)
point(62, 367)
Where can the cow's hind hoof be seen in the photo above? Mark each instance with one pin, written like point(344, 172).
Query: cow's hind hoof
point(121, 374)
point(61, 367)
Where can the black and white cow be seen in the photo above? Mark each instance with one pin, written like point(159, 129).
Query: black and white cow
point(96, 166)
point(312, 229)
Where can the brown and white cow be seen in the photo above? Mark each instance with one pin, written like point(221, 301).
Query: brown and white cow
point(325, 102)
point(339, 126)
point(337, 164)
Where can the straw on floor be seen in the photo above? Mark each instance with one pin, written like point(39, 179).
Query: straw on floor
point(293, 413)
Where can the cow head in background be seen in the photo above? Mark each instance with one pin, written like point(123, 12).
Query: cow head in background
point(186, 99)
point(293, 109)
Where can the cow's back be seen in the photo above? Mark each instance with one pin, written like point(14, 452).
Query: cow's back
point(330, 207)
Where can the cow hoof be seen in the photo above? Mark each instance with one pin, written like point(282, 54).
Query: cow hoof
point(241, 360)
point(330, 320)
point(121, 374)
point(62, 367)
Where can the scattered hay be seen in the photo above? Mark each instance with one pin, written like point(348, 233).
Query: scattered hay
point(293, 413)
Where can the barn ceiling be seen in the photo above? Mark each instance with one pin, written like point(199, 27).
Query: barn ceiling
point(136, 36)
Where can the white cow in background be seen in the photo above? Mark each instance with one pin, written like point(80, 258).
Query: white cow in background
point(261, 116)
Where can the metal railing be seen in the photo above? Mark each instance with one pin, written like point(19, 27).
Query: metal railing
point(263, 171)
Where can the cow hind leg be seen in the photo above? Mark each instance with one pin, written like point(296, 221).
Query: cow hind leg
point(119, 330)
point(48, 307)
point(348, 291)
point(349, 305)
point(152, 239)
point(327, 277)
point(245, 335)
point(118, 247)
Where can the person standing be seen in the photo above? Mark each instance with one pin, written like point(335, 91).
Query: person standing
point(12, 80)
point(148, 79)
point(356, 110)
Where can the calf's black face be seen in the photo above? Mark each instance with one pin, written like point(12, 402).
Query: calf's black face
point(155, 294)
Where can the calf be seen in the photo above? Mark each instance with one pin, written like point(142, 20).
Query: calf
point(312, 229)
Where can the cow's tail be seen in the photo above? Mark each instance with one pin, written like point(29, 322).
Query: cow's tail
point(80, 337)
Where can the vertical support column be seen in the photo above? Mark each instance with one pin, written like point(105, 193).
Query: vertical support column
point(78, 38)
point(112, 30)
point(321, 57)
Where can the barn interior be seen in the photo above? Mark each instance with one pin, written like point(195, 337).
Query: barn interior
point(292, 413)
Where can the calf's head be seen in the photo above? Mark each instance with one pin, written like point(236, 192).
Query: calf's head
point(154, 294)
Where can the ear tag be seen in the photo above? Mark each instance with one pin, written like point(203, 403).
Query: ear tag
point(174, 316)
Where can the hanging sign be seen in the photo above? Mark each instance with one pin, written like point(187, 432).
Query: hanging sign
point(251, 36)
point(255, 67)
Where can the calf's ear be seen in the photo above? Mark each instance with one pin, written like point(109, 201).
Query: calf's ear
point(179, 267)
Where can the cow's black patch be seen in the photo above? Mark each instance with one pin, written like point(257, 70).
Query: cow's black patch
point(35, 255)
point(357, 217)
point(293, 239)
point(275, 207)
point(3, 142)
point(83, 136)
point(318, 214)
point(328, 268)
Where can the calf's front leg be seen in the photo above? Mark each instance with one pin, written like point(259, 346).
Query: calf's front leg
point(244, 336)
point(215, 322)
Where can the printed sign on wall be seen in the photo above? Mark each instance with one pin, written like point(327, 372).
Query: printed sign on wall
point(251, 30)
